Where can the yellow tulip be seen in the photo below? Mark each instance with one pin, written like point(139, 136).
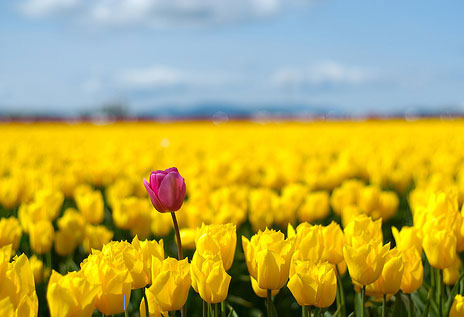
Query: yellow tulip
point(389, 282)
point(37, 269)
point(10, 232)
point(41, 237)
point(72, 221)
point(259, 291)
point(365, 261)
point(65, 242)
point(406, 238)
point(153, 307)
point(451, 273)
point(148, 249)
point(363, 227)
point(18, 293)
point(268, 255)
point(413, 271)
point(71, 295)
point(52, 200)
point(457, 309)
point(95, 237)
point(209, 279)
point(334, 240)
point(388, 204)
point(171, 283)
point(90, 204)
point(223, 239)
point(308, 243)
point(187, 236)
point(313, 284)
point(112, 279)
point(440, 248)
point(130, 259)
point(315, 207)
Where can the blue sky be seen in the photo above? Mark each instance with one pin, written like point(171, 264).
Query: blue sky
point(358, 56)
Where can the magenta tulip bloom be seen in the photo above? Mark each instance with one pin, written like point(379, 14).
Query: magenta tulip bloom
point(166, 189)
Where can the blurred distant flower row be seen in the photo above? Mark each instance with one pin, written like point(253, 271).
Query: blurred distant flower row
point(335, 213)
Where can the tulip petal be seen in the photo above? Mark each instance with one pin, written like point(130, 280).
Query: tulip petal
point(172, 191)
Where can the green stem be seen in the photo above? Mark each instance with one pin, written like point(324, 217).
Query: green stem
point(305, 311)
point(269, 303)
point(440, 293)
point(363, 294)
point(340, 293)
point(223, 309)
point(411, 306)
point(147, 312)
point(384, 300)
point(48, 258)
point(180, 256)
point(205, 309)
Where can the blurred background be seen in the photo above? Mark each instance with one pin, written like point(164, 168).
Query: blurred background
point(221, 59)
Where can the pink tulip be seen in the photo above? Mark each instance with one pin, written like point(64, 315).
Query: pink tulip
point(166, 189)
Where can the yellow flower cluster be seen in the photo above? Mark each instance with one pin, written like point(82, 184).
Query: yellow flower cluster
point(69, 190)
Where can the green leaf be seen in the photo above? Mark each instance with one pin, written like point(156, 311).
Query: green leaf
point(425, 313)
point(232, 312)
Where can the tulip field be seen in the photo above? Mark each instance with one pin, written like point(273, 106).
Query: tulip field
point(321, 218)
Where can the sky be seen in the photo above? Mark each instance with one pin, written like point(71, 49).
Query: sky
point(357, 56)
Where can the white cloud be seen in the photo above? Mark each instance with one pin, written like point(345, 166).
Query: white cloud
point(41, 8)
point(162, 13)
point(322, 73)
point(152, 77)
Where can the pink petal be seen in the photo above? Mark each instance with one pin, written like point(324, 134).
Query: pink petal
point(169, 191)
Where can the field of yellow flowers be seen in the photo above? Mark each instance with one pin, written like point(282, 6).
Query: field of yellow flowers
point(232, 219)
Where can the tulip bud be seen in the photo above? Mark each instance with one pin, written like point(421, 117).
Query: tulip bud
point(71, 295)
point(313, 284)
point(166, 189)
point(218, 238)
point(389, 281)
point(73, 221)
point(268, 256)
point(171, 283)
point(96, 237)
point(10, 232)
point(41, 237)
point(209, 278)
point(457, 309)
point(413, 271)
point(451, 273)
point(308, 244)
point(52, 199)
point(365, 260)
point(334, 240)
point(440, 248)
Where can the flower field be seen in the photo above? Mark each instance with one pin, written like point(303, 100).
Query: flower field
point(275, 219)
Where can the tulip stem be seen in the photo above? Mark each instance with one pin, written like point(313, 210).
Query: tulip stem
point(205, 309)
point(147, 313)
point(269, 303)
point(180, 256)
point(340, 293)
point(384, 299)
point(411, 306)
point(363, 294)
point(305, 311)
point(440, 292)
point(223, 309)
